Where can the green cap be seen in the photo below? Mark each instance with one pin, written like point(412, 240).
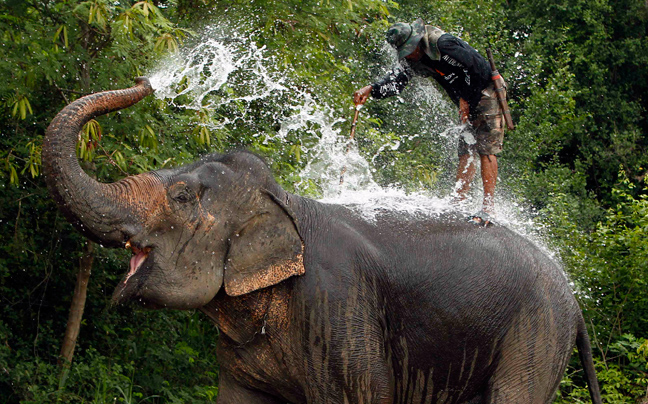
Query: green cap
point(405, 37)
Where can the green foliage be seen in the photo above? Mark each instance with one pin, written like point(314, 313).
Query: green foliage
point(606, 55)
point(613, 267)
point(623, 375)
point(170, 355)
point(175, 367)
point(53, 53)
point(609, 265)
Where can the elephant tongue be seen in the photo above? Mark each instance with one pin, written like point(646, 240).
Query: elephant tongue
point(135, 263)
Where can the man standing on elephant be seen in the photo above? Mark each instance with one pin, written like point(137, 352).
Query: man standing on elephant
point(465, 75)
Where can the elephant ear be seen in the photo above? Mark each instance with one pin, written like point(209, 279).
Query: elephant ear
point(265, 252)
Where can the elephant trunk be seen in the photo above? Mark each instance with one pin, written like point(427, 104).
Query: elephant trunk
point(106, 213)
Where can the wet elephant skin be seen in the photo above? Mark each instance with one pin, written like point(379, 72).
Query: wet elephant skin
point(315, 303)
point(400, 310)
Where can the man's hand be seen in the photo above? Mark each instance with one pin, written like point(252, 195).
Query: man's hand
point(464, 110)
point(361, 96)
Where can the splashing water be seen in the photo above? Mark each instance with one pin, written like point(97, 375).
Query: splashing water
point(205, 69)
point(200, 73)
point(196, 77)
point(215, 61)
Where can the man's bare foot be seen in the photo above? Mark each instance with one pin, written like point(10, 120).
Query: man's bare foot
point(481, 218)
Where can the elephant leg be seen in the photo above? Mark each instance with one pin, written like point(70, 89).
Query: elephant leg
point(532, 359)
point(231, 392)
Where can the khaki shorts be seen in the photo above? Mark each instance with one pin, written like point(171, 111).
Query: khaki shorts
point(486, 132)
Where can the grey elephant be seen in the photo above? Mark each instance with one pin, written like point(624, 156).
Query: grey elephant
point(315, 303)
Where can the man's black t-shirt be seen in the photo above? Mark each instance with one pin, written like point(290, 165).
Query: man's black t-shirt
point(461, 71)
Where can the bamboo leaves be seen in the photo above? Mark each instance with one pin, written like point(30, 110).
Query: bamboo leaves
point(202, 133)
point(89, 138)
point(146, 7)
point(97, 12)
point(148, 138)
point(166, 41)
point(10, 168)
point(61, 36)
point(125, 22)
point(32, 162)
point(20, 106)
point(59, 52)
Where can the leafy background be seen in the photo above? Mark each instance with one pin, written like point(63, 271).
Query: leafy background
point(577, 77)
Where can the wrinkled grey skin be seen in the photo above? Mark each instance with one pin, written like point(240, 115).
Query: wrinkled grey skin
point(316, 304)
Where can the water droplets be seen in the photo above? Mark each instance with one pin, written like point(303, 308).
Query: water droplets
point(228, 71)
point(217, 61)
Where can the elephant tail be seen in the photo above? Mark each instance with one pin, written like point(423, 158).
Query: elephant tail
point(585, 353)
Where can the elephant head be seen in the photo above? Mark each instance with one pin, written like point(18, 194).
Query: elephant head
point(220, 220)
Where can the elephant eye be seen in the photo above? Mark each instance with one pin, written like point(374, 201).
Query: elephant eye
point(183, 197)
point(182, 194)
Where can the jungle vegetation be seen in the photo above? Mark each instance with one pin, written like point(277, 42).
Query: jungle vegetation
point(577, 72)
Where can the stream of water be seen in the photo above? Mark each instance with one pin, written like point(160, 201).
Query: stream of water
point(249, 72)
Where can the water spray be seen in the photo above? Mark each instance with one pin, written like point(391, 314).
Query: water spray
point(351, 136)
point(195, 78)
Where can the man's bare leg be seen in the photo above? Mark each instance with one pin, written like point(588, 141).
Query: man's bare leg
point(465, 174)
point(489, 180)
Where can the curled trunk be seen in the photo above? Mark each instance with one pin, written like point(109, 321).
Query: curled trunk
point(105, 213)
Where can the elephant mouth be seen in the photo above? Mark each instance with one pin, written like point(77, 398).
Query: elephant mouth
point(136, 261)
point(127, 289)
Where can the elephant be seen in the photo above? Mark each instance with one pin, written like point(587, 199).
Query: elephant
point(316, 303)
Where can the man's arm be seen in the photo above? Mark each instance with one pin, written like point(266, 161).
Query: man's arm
point(391, 84)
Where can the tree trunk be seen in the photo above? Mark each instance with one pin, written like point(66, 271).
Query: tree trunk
point(77, 306)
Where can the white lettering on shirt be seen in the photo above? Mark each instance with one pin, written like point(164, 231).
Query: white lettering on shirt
point(388, 88)
point(451, 61)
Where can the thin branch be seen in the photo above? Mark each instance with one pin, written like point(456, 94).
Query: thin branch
point(597, 343)
point(60, 90)
point(17, 220)
point(110, 159)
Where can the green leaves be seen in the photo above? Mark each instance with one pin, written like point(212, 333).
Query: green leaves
point(148, 138)
point(622, 375)
point(146, 8)
point(20, 106)
point(610, 268)
point(33, 164)
point(89, 140)
point(166, 41)
point(10, 169)
point(102, 40)
point(61, 36)
point(98, 12)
